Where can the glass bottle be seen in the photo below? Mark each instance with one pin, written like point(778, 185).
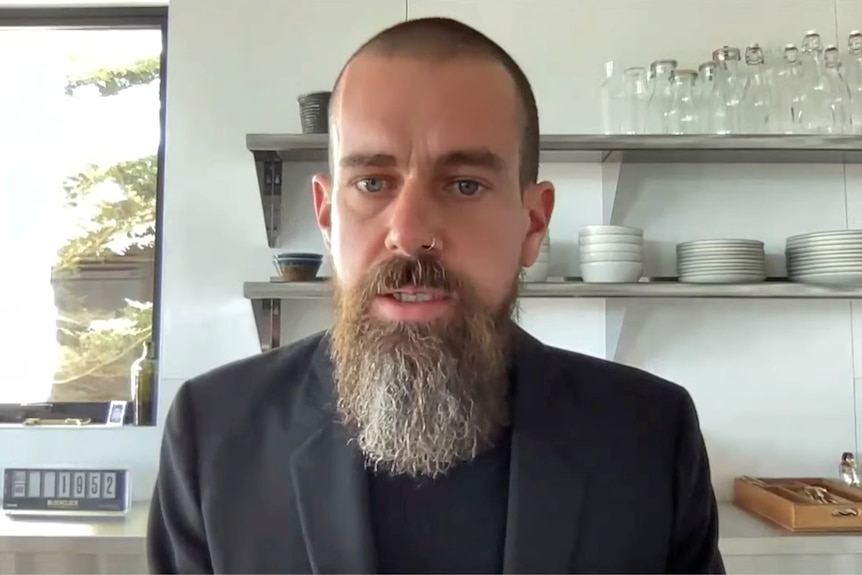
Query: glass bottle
point(852, 69)
point(730, 84)
point(143, 378)
point(812, 57)
point(788, 94)
point(661, 96)
point(756, 94)
point(682, 116)
point(708, 99)
point(827, 101)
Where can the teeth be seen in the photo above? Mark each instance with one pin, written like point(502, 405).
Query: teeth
point(412, 297)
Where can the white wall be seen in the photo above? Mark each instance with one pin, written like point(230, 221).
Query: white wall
point(774, 381)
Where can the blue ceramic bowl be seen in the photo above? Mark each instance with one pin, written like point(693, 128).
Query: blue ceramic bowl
point(298, 256)
point(297, 267)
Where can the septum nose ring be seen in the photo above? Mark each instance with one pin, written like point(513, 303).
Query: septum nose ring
point(431, 246)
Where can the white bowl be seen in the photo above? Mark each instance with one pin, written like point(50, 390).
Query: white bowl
point(590, 258)
point(610, 239)
point(611, 272)
point(610, 247)
point(604, 230)
point(538, 272)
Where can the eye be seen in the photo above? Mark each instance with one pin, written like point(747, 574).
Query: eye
point(371, 185)
point(468, 187)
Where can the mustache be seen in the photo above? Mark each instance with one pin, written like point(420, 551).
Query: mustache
point(422, 271)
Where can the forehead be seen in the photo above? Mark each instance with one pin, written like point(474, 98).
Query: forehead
point(414, 106)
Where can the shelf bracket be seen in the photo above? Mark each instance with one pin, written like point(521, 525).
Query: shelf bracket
point(267, 318)
point(269, 176)
point(615, 315)
point(611, 167)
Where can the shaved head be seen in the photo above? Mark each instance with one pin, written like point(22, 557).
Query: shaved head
point(444, 39)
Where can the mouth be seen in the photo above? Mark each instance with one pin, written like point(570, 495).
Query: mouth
point(416, 295)
point(413, 304)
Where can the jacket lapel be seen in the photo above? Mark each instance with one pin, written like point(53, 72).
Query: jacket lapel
point(332, 491)
point(546, 486)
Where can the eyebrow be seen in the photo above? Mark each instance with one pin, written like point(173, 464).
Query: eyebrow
point(475, 157)
point(368, 161)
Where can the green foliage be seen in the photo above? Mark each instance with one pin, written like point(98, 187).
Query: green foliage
point(98, 345)
point(111, 82)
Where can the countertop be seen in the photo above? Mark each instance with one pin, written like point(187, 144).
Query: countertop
point(740, 534)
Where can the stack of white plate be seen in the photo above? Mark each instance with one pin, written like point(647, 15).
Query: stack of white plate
point(721, 261)
point(611, 254)
point(826, 258)
point(538, 272)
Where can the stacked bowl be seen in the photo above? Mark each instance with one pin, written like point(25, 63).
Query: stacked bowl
point(826, 258)
point(538, 272)
point(721, 261)
point(611, 254)
point(314, 112)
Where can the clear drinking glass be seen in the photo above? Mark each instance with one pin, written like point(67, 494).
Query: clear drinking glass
point(635, 99)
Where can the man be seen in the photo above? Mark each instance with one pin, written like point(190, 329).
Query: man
point(427, 433)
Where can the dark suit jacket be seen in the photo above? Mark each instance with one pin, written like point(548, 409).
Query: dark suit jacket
point(608, 472)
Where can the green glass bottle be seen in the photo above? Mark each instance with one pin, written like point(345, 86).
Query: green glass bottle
point(144, 386)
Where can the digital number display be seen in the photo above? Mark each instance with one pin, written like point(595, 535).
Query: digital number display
point(67, 490)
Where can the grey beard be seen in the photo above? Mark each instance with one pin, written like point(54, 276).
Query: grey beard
point(417, 403)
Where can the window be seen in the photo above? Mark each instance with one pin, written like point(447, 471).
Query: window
point(81, 151)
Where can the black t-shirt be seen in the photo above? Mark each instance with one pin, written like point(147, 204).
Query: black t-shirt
point(453, 524)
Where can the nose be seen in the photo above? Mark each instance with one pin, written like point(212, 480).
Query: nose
point(412, 225)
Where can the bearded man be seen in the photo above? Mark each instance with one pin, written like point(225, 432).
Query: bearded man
point(426, 432)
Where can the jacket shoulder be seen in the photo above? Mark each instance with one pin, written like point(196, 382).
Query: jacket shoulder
point(596, 376)
point(246, 389)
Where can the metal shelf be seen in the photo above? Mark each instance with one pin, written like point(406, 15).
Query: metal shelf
point(267, 297)
point(272, 150)
point(793, 148)
point(657, 288)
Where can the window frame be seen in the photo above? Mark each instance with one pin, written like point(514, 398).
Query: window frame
point(102, 18)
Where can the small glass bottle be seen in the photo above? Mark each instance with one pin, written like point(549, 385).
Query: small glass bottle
point(143, 379)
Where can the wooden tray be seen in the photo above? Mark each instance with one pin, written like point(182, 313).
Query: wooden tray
point(782, 501)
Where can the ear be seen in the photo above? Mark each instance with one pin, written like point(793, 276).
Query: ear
point(539, 204)
point(321, 188)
